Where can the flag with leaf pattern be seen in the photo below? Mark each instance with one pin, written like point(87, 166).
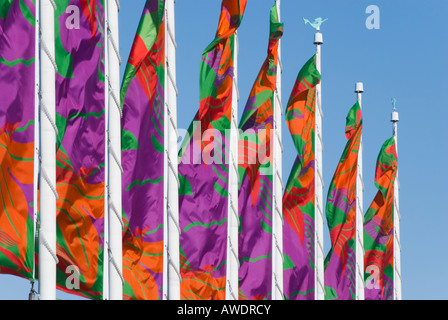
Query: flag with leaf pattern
point(255, 204)
point(299, 196)
point(379, 228)
point(142, 98)
point(17, 138)
point(80, 156)
point(204, 170)
point(340, 263)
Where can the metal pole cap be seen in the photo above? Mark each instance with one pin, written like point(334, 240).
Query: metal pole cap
point(318, 38)
point(395, 117)
point(359, 87)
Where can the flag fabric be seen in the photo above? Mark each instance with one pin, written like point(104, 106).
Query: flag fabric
point(340, 263)
point(17, 101)
point(379, 228)
point(142, 97)
point(204, 170)
point(80, 155)
point(255, 203)
point(299, 196)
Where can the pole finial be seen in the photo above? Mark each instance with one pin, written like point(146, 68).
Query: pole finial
point(395, 117)
point(316, 24)
point(359, 87)
point(394, 103)
point(318, 39)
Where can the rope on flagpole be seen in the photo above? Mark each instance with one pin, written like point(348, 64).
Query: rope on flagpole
point(171, 166)
point(277, 95)
point(232, 206)
point(46, 178)
point(112, 152)
point(278, 247)
point(47, 246)
point(170, 261)
point(173, 124)
point(47, 52)
point(114, 263)
point(114, 97)
point(53, 4)
point(171, 34)
point(278, 286)
point(171, 77)
point(117, 2)
point(232, 250)
point(45, 48)
point(230, 289)
point(280, 144)
point(280, 179)
point(280, 64)
point(278, 210)
point(47, 114)
point(114, 209)
point(235, 84)
point(170, 211)
point(114, 45)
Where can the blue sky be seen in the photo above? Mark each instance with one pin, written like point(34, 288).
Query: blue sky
point(404, 59)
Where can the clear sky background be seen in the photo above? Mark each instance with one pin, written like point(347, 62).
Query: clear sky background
point(404, 59)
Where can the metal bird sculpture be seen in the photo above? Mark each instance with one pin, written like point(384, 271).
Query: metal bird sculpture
point(316, 24)
point(394, 103)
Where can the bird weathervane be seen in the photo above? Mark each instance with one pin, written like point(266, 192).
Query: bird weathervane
point(394, 103)
point(316, 24)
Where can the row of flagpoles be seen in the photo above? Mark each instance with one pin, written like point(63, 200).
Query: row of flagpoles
point(114, 282)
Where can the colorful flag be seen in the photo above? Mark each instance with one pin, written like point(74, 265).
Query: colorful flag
point(340, 263)
point(379, 228)
point(17, 92)
point(80, 157)
point(142, 96)
point(204, 170)
point(255, 204)
point(299, 196)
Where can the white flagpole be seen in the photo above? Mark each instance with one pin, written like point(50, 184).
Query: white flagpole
point(232, 267)
point(277, 215)
point(106, 162)
point(172, 276)
point(32, 295)
point(48, 132)
point(319, 184)
point(359, 236)
point(113, 141)
point(397, 217)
